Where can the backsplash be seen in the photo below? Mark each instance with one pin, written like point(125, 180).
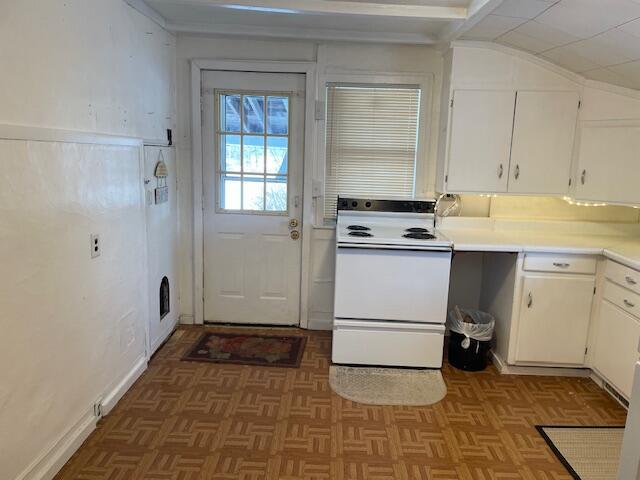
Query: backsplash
point(544, 208)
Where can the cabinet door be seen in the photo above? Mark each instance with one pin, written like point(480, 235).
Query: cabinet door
point(608, 164)
point(616, 346)
point(554, 319)
point(480, 141)
point(543, 133)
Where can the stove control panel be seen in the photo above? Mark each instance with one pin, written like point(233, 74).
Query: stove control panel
point(379, 205)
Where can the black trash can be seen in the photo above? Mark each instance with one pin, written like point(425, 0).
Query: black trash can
point(469, 343)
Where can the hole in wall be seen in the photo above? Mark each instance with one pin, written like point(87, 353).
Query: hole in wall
point(164, 297)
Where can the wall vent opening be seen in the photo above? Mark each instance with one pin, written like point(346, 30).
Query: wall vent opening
point(164, 297)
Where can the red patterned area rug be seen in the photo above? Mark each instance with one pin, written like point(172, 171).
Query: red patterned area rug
point(267, 350)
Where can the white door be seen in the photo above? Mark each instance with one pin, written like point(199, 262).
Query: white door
point(607, 164)
point(480, 141)
point(543, 132)
point(554, 319)
point(616, 346)
point(253, 125)
point(162, 243)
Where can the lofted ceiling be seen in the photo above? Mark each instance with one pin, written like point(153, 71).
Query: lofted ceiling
point(600, 39)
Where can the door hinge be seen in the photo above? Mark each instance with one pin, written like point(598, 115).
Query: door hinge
point(579, 104)
point(446, 178)
point(451, 103)
point(586, 350)
point(594, 290)
point(569, 181)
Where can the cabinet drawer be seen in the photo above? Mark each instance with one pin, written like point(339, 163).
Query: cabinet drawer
point(623, 298)
point(551, 262)
point(622, 275)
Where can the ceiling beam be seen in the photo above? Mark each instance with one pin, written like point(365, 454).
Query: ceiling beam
point(478, 9)
point(331, 7)
point(312, 34)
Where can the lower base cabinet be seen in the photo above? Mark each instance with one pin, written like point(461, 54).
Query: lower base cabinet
point(616, 346)
point(554, 319)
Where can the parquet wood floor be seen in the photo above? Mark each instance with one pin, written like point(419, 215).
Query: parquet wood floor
point(188, 421)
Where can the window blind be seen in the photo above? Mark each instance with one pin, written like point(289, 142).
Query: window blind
point(371, 142)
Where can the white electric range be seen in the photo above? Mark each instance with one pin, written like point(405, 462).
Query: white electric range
point(391, 283)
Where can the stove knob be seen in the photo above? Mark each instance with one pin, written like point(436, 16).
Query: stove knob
point(368, 204)
point(354, 204)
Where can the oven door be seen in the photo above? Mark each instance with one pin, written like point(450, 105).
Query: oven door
point(376, 283)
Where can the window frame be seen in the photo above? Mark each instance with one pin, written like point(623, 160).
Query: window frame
point(217, 94)
point(426, 146)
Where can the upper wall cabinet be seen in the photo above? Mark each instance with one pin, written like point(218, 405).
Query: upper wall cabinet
point(543, 134)
point(608, 161)
point(480, 141)
point(506, 141)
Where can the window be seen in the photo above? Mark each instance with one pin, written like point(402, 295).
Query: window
point(371, 141)
point(253, 142)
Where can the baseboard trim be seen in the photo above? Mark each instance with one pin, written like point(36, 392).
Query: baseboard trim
point(49, 463)
point(185, 319)
point(320, 324)
point(53, 458)
point(506, 369)
point(112, 398)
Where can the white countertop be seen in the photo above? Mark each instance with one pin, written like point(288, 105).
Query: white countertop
point(620, 242)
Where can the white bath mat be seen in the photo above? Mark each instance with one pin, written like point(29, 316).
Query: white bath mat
point(387, 386)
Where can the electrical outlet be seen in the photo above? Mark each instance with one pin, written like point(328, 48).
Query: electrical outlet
point(96, 248)
point(97, 409)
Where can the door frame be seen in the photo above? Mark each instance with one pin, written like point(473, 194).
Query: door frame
point(309, 70)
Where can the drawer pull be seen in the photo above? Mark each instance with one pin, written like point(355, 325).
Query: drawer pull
point(628, 303)
point(529, 300)
point(561, 264)
point(630, 280)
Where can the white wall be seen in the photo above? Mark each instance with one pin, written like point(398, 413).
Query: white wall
point(73, 328)
point(330, 57)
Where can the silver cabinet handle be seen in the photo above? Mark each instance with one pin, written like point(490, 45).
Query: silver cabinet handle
point(500, 171)
point(630, 280)
point(561, 264)
point(583, 176)
point(529, 300)
point(628, 303)
point(517, 172)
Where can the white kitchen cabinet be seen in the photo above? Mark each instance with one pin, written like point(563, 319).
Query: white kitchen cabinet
point(554, 317)
point(543, 135)
point(608, 160)
point(616, 346)
point(480, 140)
point(506, 141)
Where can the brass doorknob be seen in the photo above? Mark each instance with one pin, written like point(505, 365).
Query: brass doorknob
point(293, 223)
point(295, 234)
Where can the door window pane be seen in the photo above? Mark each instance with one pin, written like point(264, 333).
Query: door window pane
point(253, 146)
point(278, 115)
point(230, 153)
point(253, 192)
point(230, 113)
point(253, 114)
point(230, 192)
point(277, 155)
point(253, 154)
point(276, 194)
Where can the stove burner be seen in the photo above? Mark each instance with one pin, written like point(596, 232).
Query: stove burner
point(417, 230)
point(358, 228)
point(419, 236)
point(360, 234)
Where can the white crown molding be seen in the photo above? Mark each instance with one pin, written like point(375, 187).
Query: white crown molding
point(477, 10)
point(302, 33)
